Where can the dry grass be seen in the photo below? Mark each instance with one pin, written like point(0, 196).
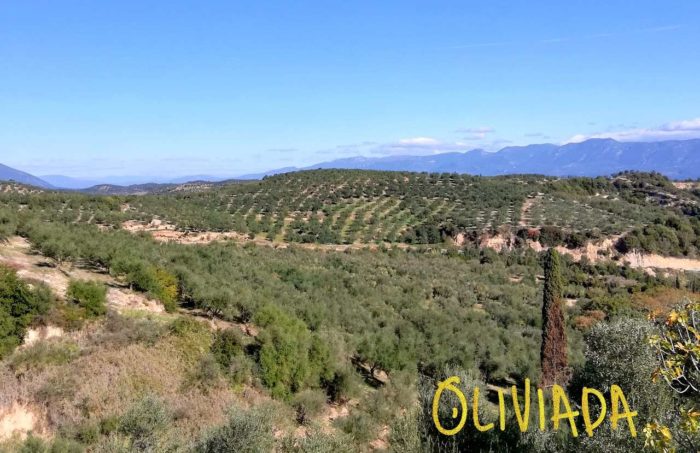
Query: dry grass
point(107, 376)
point(659, 301)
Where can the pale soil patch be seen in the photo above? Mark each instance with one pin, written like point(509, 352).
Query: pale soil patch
point(41, 334)
point(591, 250)
point(686, 185)
point(498, 242)
point(460, 239)
point(381, 443)
point(570, 302)
point(661, 262)
point(215, 323)
point(602, 251)
point(18, 420)
point(121, 299)
point(379, 375)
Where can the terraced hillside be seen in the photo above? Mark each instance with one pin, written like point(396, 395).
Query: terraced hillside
point(363, 207)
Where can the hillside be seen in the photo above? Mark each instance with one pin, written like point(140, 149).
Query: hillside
point(644, 212)
point(361, 207)
point(123, 338)
point(10, 174)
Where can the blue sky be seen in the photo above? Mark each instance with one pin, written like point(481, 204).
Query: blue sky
point(158, 88)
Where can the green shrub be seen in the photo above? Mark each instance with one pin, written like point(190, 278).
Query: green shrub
point(290, 357)
point(33, 444)
point(245, 432)
point(343, 385)
point(227, 345)
point(185, 325)
point(66, 446)
point(89, 295)
point(45, 353)
point(124, 330)
point(88, 433)
point(404, 435)
point(240, 370)
point(307, 404)
point(619, 353)
point(145, 424)
point(19, 306)
point(207, 372)
point(359, 426)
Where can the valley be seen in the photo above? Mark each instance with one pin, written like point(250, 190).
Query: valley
point(317, 303)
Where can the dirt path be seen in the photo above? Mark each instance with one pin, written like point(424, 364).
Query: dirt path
point(525, 211)
point(168, 233)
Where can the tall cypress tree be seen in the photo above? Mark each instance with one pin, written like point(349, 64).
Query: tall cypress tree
point(553, 355)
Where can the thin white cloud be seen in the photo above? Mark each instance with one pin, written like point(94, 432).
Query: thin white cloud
point(418, 142)
point(419, 146)
point(675, 130)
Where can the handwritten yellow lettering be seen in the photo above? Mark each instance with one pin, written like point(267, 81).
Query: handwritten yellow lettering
point(449, 384)
point(558, 398)
point(586, 410)
point(523, 419)
point(617, 398)
point(475, 413)
point(501, 410)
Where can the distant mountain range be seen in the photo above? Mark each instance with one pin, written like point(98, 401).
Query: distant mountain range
point(678, 159)
point(10, 174)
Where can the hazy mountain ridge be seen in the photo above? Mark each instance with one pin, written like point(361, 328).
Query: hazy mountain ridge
point(677, 159)
point(596, 157)
point(11, 174)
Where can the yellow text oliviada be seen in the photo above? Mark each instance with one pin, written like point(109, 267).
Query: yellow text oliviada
point(560, 410)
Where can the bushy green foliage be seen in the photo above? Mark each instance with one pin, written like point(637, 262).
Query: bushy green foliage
point(468, 439)
point(245, 432)
point(44, 353)
point(91, 296)
point(394, 308)
point(19, 306)
point(290, 357)
point(145, 425)
point(672, 235)
point(618, 353)
point(228, 344)
point(155, 280)
point(308, 403)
